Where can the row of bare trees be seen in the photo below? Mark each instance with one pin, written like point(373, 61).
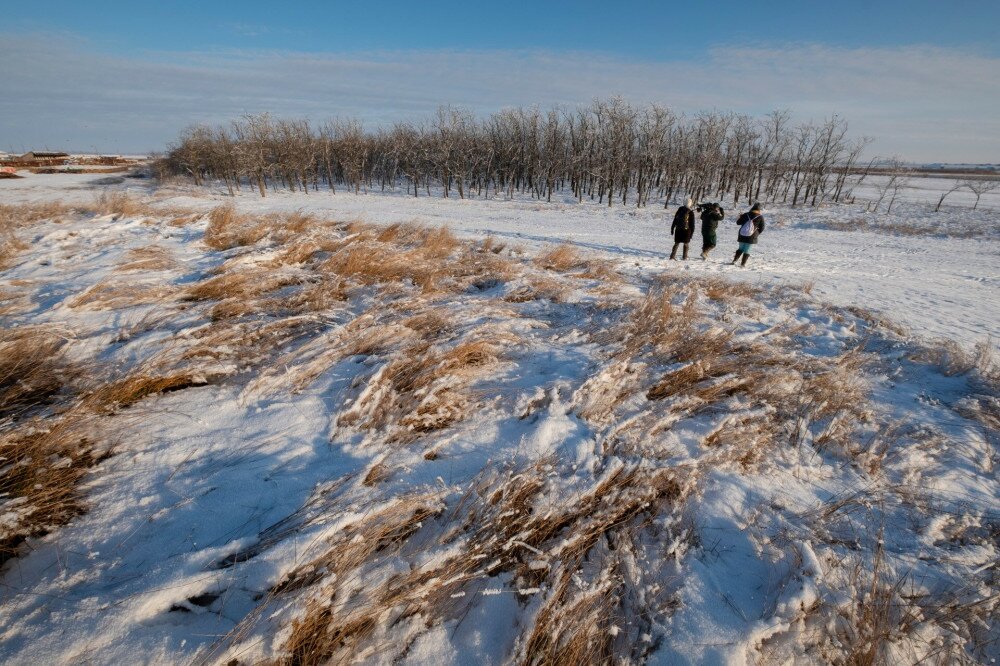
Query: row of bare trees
point(609, 151)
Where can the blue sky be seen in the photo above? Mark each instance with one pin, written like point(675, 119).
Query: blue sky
point(920, 76)
point(642, 29)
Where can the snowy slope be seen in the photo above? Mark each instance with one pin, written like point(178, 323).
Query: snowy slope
point(735, 551)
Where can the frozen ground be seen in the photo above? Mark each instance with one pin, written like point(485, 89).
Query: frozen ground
point(732, 525)
point(935, 285)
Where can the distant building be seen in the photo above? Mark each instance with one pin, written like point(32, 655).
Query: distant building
point(44, 155)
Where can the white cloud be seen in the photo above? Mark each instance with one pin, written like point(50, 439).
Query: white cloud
point(924, 103)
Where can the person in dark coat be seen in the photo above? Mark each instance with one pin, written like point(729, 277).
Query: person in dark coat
point(751, 225)
point(683, 228)
point(711, 215)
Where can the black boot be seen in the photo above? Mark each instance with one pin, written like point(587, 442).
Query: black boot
point(738, 253)
point(673, 255)
point(744, 262)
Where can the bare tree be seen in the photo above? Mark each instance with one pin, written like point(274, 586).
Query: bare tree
point(980, 186)
point(609, 150)
point(955, 186)
point(896, 173)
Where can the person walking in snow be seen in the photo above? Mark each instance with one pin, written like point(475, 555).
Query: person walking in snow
point(751, 225)
point(683, 228)
point(711, 215)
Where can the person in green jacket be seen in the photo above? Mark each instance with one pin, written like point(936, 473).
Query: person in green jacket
point(711, 215)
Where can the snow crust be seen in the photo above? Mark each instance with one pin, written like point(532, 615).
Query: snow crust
point(208, 470)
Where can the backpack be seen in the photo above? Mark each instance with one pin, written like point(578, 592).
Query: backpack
point(749, 227)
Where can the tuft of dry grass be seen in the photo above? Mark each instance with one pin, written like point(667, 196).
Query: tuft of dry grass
point(722, 290)
point(875, 321)
point(22, 215)
point(10, 247)
point(423, 390)
point(438, 243)
point(120, 204)
point(33, 370)
point(228, 229)
point(13, 301)
point(43, 464)
point(539, 287)
point(183, 219)
point(491, 246)
point(113, 294)
point(45, 447)
point(304, 250)
point(16, 217)
point(430, 324)
point(246, 284)
point(953, 359)
point(562, 258)
point(658, 325)
point(150, 258)
point(141, 383)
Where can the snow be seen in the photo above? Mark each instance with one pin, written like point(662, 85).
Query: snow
point(933, 285)
point(208, 472)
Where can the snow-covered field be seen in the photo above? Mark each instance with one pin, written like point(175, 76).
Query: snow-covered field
point(336, 442)
point(935, 285)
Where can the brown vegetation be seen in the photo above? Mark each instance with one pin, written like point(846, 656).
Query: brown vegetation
point(33, 369)
point(422, 323)
point(120, 204)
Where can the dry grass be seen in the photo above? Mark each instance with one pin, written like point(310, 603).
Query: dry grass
point(900, 228)
point(51, 434)
point(115, 293)
point(22, 215)
point(45, 446)
point(770, 392)
point(13, 301)
point(424, 389)
point(658, 325)
point(16, 217)
point(497, 527)
point(120, 204)
point(428, 259)
point(376, 474)
point(491, 245)
point(183, 219)
point(150, 258)
point(430, 324)
point(43, 464)
point(722, 290)
point(953, 359)
point(139, 384)
point(875, 321)
point(249, 343)
point(228, 229)
point(249, 283)
point(562, 258)
point(304, 250)
point(438, 243)
point(420, 559)
point(33, 370)
point(539, 287)
point(10, 247)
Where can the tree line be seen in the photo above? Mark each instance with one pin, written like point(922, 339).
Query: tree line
point(610, 151)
